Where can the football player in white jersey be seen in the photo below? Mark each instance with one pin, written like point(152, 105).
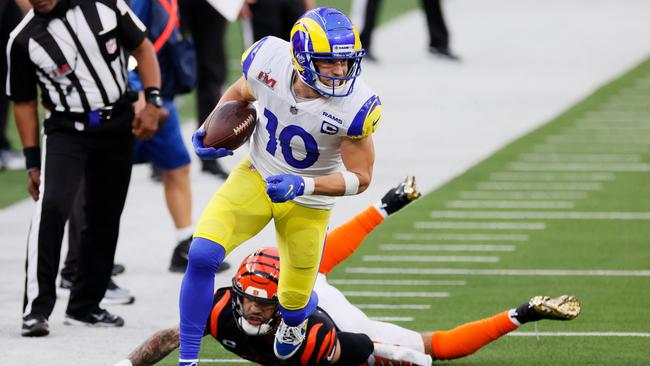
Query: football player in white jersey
point(312, 141)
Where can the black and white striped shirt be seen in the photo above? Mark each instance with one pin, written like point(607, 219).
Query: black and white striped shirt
point(77, 53)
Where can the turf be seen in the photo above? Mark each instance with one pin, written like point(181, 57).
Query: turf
point(610, 303)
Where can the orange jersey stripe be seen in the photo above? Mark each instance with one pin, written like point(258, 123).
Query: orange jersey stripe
point(216, 310)
point(311, 344)
point(326, 346)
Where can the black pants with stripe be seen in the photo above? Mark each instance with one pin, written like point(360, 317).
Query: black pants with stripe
point(103, 158)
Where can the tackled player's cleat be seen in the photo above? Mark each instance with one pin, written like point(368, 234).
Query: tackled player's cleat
point(563, 307)
point(288, 339)
point(398, 197)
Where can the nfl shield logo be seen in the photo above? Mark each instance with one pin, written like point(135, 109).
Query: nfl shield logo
point(111, 46)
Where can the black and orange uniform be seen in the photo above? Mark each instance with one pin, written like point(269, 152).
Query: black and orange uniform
point(317, 349)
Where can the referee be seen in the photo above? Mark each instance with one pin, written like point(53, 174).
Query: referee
point(77, 51)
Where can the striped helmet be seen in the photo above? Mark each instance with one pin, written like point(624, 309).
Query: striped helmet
point(326, 34)
point(257, 279)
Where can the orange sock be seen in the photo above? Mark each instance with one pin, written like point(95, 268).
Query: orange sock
point(468, 338)
point(345, 239)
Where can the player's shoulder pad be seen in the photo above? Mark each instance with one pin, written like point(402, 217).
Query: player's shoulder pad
point(260, 52)
point(220, 302)
point(367, 118)
point(320, 343)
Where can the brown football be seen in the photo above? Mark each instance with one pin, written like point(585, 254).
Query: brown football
point(229, 125)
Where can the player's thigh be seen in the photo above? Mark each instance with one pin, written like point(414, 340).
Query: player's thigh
point(237, 211)
point(300, 233)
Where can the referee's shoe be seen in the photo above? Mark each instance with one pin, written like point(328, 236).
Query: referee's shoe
point(35, 326)
point(97, 318)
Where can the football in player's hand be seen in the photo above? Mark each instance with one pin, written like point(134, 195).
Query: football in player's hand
point(229, 125)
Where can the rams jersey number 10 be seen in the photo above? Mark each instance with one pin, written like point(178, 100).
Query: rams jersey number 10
point(301, 136)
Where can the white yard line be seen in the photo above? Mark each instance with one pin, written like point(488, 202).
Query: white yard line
point(479, 225)
point(541, 215)
point(598, 140)
point(579, 334)
point(399, 294)
point(430, 258)
point(541, 176)
point(393, 318)
point(448, 247)
point(590, 148)
point(538, 186)
point(578, 157)
point(523, 195)
point(394, 307)
point(499, 272)
point(592, 167)
point(395, 282)
point(461, 237)
point(509, 204)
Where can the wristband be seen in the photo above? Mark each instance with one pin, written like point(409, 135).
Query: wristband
point(310, 185)
point(351, 183)
point(32, 157)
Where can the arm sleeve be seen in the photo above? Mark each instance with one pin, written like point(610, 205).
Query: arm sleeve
point(130, 28)
point(21, 73)
point(366, 120)
point(355, 348)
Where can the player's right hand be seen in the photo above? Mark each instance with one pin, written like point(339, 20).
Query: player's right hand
point(207, 153)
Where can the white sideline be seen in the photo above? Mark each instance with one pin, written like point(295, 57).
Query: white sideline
point(538, 186)
point(439, 119)
point(524, 195)
point(474, 225)
point(552, 176)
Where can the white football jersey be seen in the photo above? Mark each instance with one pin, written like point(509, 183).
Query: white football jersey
point(301, 137)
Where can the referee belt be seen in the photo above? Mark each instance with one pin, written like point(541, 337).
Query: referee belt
point(96, 117)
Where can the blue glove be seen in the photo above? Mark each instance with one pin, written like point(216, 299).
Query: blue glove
point(284, 187)
point(207, 153)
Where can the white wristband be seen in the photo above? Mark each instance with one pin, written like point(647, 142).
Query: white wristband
point(351, 183)
point(310, 185)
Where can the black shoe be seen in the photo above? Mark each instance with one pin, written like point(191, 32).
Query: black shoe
point(35, 326)
point(99, 318)
point(214, 168)
point(180, 255)
point(445, 53)
point(398, 197)
point(118, 269)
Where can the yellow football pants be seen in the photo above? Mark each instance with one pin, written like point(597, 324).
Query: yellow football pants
point(241, 208)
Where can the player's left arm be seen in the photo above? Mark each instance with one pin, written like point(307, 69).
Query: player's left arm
point(154, 349)
point(358, 156)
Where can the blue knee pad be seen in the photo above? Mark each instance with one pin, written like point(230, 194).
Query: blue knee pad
point(293, 318)
point(196, 296)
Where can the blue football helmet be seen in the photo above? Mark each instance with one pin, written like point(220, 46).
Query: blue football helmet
point(326, 34)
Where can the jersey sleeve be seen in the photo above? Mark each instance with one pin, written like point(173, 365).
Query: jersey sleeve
point(366, 120)
point(250, 60)
point(130, 29)
point(219, 303)
point(21, 73)
point(320, 343)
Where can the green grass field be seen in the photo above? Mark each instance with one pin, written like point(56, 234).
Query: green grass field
point(575, 194)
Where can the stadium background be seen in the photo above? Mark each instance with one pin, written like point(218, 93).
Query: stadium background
point(550, 97)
